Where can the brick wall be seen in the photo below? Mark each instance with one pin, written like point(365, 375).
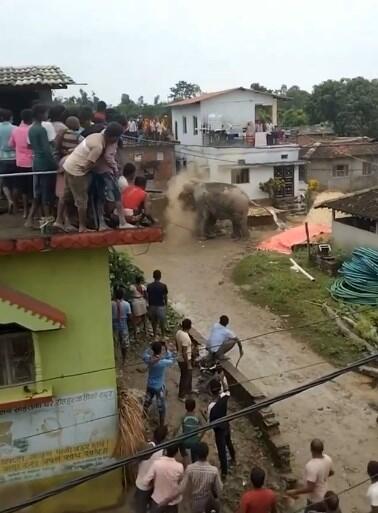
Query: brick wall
point(156, 161)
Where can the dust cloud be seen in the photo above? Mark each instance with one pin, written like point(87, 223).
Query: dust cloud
point(180, 223)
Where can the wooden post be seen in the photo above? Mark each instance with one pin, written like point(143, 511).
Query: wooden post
point(308, 241)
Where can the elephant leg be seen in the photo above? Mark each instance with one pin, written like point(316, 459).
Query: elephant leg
point(244, 232)
point(202, 225)
point(210, 226)
point(239, 228)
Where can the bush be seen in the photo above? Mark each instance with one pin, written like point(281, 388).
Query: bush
point(122, 271)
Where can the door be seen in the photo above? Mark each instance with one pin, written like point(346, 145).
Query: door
point(285, 173)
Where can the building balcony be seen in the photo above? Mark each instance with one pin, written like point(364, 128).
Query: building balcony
point(16, 238)
point(222, 138)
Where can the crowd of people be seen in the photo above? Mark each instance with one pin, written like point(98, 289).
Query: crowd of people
point(182, 474)
point(64, 168)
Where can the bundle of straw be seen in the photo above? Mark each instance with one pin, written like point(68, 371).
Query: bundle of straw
point(131, 432)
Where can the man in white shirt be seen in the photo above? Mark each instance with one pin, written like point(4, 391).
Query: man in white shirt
point(317, 471)
point(184, 358)
point(372, 494)
point(222, 339)
point(166, 473)
point(78, 165)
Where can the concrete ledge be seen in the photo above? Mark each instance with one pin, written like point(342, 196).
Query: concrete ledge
point(265, 419)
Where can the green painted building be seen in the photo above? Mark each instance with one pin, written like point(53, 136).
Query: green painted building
point(58, 394)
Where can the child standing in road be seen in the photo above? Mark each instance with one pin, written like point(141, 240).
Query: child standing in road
point(190, 422)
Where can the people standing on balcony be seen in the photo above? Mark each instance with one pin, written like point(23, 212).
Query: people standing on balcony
point(57, 116)
point(100, 114)
point(78, 165)
point(132, 129)
point(66, 142)
point(105, 181)
point(136, 202)
point(250, 134)
point(7, 157)
point(43, 161)
point(24, 160)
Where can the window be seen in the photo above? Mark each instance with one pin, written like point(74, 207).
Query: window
point(176, 131)
point(340, 170)
point(184, 125)
point(367, 168)
point(16, 356)
point(160, 155)
point(302, 173)
point(138, 157)
point(195, 125)
point(240, 175)
point(284, 156)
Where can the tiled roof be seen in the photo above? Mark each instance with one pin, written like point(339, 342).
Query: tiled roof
point(339, 149)
point(34, 75)
point(206, 96)
point(33, 306)
point(361, 204)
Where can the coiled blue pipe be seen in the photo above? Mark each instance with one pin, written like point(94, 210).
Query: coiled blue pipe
point(359, 282)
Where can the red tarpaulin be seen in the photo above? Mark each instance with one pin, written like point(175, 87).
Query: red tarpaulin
point(284, 241)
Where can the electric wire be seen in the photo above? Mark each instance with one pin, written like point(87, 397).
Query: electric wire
point(140, 361)
point(266, 376)
point(177, 440)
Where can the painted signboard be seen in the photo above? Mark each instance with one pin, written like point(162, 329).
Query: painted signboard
point(73, 432)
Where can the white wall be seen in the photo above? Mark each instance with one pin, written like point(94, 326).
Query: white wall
point(236, 107)
point(349, 237)
point(189, 111)
point(260, 161)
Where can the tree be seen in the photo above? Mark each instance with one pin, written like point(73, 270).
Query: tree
point(78, 101)
point(351, 105)
point(293, 117)
point(182, 90)
point(126, 100)
point(258, 87)
point(157, 99)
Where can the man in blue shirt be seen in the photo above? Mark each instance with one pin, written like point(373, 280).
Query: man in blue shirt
point(157, 364)
point(222, 339)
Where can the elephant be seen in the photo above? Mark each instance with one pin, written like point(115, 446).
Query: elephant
point(212, 201)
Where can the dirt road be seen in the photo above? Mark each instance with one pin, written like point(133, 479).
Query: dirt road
point(197, 275)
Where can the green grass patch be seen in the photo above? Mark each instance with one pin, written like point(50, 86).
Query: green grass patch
point(266, 280)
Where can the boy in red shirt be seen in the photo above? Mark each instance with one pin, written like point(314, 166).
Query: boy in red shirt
point(136, 202)
point(259, 499)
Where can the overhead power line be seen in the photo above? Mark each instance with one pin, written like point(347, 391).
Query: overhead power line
point(177, 440)
point(140, 362)
point(266, 376)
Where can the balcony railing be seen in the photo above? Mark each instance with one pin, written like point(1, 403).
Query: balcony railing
point(220, 138)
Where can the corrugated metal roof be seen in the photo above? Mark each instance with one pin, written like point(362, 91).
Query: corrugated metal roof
point(51, 76)
point(361, 204)
point(206, 96)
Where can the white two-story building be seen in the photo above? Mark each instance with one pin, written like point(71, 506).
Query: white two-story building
point(222, 134)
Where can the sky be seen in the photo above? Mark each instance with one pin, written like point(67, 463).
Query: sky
point(144, 48)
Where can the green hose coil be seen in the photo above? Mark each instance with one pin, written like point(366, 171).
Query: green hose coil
point(359, 281)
